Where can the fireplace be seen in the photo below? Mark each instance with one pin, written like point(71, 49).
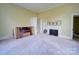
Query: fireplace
point(53, 32)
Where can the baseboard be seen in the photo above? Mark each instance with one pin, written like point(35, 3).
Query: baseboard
point(65, 37)
point(5, 37)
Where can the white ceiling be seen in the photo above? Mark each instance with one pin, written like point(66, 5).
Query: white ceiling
point(38, 7)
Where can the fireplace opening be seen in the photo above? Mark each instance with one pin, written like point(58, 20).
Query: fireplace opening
point(23, 32)
point(25, 29)
point(53, 32)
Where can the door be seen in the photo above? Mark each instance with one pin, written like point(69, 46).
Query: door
point(76, 27)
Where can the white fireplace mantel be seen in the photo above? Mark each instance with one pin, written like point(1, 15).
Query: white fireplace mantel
point(52, 27)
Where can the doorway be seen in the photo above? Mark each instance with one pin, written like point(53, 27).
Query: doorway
point(76, 27)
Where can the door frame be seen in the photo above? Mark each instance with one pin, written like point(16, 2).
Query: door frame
point(72, 22)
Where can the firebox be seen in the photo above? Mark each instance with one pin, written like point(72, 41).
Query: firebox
point(53, 32)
